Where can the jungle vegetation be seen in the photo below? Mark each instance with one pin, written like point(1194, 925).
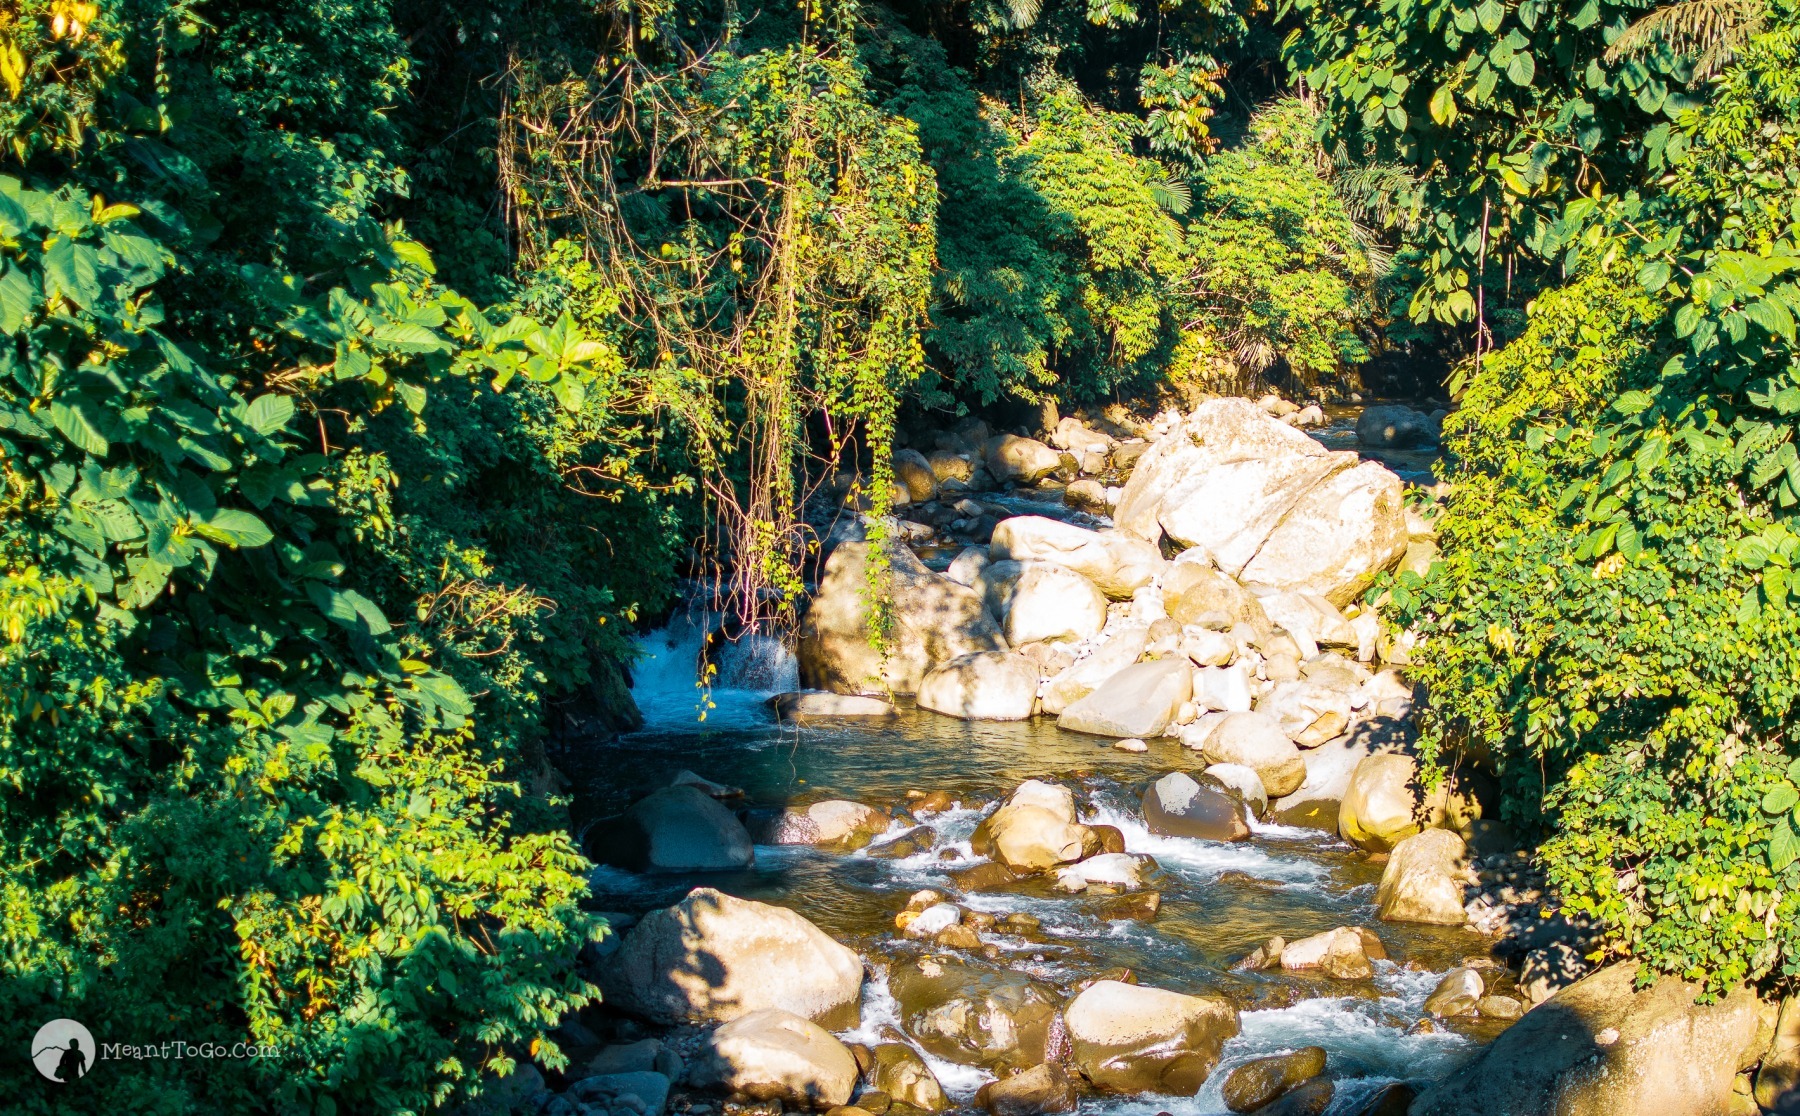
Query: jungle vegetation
point(374, 367)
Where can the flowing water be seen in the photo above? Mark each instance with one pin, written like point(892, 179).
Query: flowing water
point(1219, 900)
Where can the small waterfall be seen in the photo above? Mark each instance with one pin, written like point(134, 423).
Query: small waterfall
point(671, 693)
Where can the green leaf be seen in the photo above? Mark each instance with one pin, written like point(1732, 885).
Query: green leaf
point(442, 691)
point(73, 270)
point(1784, 845)
point(1653, 276)
point(1490, 13)
point(18, 299)
point(1633, 402)
point(411, 394)
point(270, 413)
point(1521, 69)
point(1443, 105)
point(76, 421)
point(1781, 799)
point(234, 527)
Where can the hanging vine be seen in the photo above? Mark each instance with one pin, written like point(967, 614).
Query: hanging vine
point(768, 235)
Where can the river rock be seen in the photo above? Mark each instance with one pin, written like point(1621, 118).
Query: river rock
point(1500, 1007)
point(1072, 435)
point(948, 466)
point(1393, 426)
point(966, 567)
point(832, 822)
point(1034, 829)
point(1381, 803)
point(974, 1014)
point(935, 620)
point(1193, 592)
point(1309, 617)
point(1126, 1038)
point(1021, 460)
point(676, 829)
point(1140, 700)
point(1600, 1047)
point(1257, 1082)
point(985, 686)
point(1127, 871)
point(1218, 432)
point(1050, 602)
point(1177, 805)
point(1246, 782)
point(914, 472)
point(1307, 713)
point(712, 958)
point(1777, 1086)
point(1256, 741)
point(1344, 532)
point(1232, 509)
point(1344, 953)
point(897, 1070)
point(610, 1089)
point(776, 1055)
point(1112, 652)
point(1038, 1091)
point(1225, 689)
point(1550, 969)
point(1423, 880)
point(1117, 563)
point(803, 706)
point(1456, 994)
point(1309, 1098)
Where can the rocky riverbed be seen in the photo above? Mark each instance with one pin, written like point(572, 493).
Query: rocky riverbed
point(1123, 819)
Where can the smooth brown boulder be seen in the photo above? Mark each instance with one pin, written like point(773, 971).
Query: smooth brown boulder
point(1309, 1098)
point(1250, 1086)
point(1041, 1090)
point(1343, 954)
point(776, 1055)
point(974, 1014)
point(1178, 805)
point(1021, 460)
point(1127, 1038)
point(1423, 880)
point(676, 829)
point(1034, 829)
point(713, 957)
point(1603, 1047)
point(897, 1070)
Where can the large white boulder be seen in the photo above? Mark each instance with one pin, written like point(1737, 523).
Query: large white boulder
point(1219, 432)
point(1308, 712)
point(712, 958)
point(1117, 563)
point(1107, 655)
point(1127, 1038)
point(776, 1055)
point(1255, 741)
point(1346, 953)
point(1266, 503)
point(1337, 538)
point(935, 620)
point(985, 686)
point(1139, 701)
point(1050, 602)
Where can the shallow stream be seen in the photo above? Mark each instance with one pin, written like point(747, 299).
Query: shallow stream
point(1219, 901)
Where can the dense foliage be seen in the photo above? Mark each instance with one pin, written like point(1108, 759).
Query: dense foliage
point(1614, 620)
point(372, 368)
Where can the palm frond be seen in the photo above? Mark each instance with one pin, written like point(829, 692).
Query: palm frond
point(1172, 194)
point(1373, 192)
point(1711, 31)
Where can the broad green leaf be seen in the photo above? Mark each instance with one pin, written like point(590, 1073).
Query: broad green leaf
point(234, 527)
point(76, 421)
point(1653, 276)
point(1784, 845)
point(443, 691)
point(1521, 69)
point(1490, 13)
point(411, 394)
point(18, 299)
point(270, 413)
point(73, 270)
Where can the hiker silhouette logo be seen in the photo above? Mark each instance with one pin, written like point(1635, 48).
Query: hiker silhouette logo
point(62, 1050)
